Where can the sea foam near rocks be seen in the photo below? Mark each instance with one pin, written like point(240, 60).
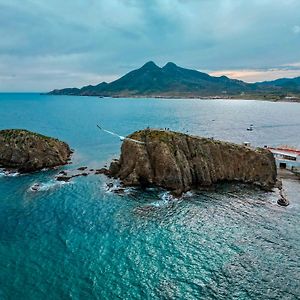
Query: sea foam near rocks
point(45, 186)
point(6, 173)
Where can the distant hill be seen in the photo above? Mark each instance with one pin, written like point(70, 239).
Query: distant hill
point(173, 81)
point(287, 84)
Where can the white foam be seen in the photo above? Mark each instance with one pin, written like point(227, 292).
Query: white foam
point(8, 173)
point(165, 199)
point(167, 196)
point(187, 194)
point(45, 186)
point(112, 186)
point(12, 174)
point(159, 203)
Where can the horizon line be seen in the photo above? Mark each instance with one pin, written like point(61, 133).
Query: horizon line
point(246, 75)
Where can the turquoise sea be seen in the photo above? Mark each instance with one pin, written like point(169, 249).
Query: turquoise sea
point(83, 241)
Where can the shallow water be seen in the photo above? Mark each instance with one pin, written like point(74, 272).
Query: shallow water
point(83, 241)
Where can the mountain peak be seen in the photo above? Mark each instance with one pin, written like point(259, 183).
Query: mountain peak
point(170, 65)
point(174, 81)
point(150, 65)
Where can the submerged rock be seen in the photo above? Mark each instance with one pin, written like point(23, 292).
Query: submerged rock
point(102, 171)
point(64, 178)
point(180, 162)
point(82, 168)
point(27, 151)
point(35, 187)
point(283, 200)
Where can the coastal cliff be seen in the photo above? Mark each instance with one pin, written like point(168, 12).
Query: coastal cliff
point(180, 162)
point(27, 151)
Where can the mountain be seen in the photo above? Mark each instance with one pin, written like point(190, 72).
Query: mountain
point(287, 84)
point(173, 81)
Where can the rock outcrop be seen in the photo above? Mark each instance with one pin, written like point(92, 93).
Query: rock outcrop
point(180, 162)
point(283, 200)
point(27, 151)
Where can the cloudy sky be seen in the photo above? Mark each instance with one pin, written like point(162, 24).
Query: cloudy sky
point(55, 44)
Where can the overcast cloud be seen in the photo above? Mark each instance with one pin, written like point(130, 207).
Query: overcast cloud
point(55, 44)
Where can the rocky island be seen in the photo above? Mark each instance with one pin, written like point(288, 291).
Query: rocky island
point(27, 151)
point(180, 162)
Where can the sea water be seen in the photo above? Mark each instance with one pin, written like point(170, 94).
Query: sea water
point(84, 241)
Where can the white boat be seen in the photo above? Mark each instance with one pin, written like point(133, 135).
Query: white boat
point(250, 128)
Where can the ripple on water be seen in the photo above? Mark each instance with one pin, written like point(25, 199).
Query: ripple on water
point(79, 241)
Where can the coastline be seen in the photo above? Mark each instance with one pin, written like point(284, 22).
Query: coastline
point(255, 98)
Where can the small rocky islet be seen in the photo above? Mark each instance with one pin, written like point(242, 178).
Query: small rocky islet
point(179, 162)
point(27, 151)
point(171, 160)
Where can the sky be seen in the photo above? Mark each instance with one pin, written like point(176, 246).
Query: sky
point(55, 44)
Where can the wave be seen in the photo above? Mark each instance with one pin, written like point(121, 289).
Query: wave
point(5, 173)
point(45, 186)
point(116, 187)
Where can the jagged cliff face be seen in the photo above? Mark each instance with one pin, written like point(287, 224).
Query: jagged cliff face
point(180, 162)
point(28, 151)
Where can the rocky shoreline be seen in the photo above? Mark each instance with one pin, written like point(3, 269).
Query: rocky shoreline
point(267, 98)
point(170, 160)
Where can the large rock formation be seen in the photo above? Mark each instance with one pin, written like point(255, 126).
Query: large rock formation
point(180, 162)
point(28, 151)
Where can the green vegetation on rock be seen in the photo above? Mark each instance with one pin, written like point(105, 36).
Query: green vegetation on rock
point(180, 162)
point(29, 151)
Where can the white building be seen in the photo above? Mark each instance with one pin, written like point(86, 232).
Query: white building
point(286, 158)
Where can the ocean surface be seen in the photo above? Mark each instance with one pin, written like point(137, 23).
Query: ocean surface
point(81, 240)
